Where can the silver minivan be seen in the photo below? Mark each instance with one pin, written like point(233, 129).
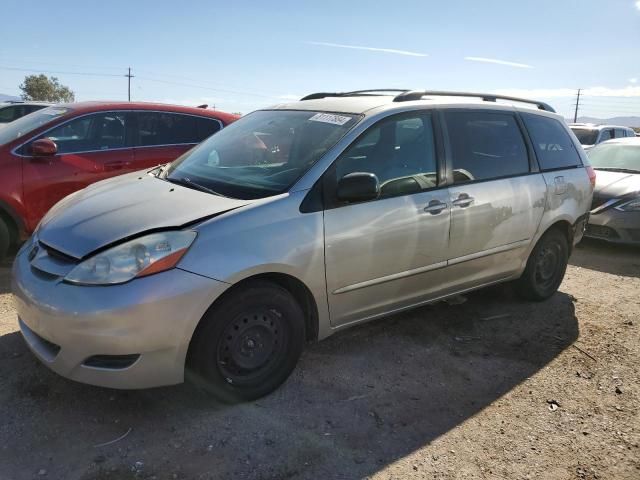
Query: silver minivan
point(293, 223)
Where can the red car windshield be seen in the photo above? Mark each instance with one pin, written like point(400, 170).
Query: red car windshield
point(14, 130)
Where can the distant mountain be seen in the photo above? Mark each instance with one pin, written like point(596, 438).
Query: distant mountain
point(8, 98)
point(623, 121)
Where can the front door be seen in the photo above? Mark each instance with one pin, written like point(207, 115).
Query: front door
point(379, 253)
point(90, 148)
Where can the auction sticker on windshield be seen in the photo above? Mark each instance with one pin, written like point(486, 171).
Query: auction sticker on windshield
point(330, 118)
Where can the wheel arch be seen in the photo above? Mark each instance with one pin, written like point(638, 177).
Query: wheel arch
point(293, 285)
point(566, 228)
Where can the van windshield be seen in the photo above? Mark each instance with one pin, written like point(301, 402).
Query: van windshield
point(14, 130)
point(262, 154)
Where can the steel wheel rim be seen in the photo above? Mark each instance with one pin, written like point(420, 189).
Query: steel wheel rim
point(251, 345)
point(547, 265)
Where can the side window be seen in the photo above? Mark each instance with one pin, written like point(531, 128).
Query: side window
point(7, 114)
point(552, 143)
point(205, 127)
point(32, 108)
point(164, 128)
point(99, 131)
point(606, 134)
point(485, 145)
point(400, 151)
point(620, 133)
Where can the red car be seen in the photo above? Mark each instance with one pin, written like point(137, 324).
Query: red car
point(56, 151)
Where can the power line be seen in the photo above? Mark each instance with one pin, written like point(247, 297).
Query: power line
point(209, 84)
point(59, 72)
point(129, 76)
point(237, 92)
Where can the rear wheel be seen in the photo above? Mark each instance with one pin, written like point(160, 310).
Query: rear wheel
point(248, 344)
point(5, 239)
point(546, 267)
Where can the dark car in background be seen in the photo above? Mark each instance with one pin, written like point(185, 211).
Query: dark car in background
point(615, 212)
point(56, 151)
point(10, 111)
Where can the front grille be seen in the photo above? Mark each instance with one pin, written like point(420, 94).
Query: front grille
point(111, 362)
point(601, 232)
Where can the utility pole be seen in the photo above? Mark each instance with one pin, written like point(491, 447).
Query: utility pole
point(129, 77)
point(575, 115)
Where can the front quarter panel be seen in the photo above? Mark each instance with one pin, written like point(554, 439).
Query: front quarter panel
point(269, 236)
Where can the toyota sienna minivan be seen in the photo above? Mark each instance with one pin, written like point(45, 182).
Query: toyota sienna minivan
point(293, 223)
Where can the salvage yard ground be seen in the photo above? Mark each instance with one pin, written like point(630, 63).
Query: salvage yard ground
point(491, 388)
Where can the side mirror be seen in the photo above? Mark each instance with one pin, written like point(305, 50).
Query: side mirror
point(44, 147)
point(358, 187)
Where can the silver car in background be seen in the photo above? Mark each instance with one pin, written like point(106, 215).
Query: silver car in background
point(615, 214)
point(293, 223)
point(589, 135)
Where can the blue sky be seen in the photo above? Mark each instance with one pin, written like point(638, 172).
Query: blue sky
point(244, 55)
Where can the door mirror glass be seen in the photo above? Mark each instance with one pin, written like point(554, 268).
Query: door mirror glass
point(358, 187)
point(44, 147)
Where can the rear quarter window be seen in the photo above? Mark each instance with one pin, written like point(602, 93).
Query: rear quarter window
point(554, 147)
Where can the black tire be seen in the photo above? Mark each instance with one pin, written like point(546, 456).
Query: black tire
point(545, 268)
point(5, 239)
point(248, 343)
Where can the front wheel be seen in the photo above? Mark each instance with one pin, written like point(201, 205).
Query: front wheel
point(545, 268)
point(248, 343)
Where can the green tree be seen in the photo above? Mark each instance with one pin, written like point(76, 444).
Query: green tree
point(45, 89)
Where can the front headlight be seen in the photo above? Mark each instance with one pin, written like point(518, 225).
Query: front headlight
point(630, 206)
point(136, 258)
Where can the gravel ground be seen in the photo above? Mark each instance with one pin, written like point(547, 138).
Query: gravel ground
point(491, 388)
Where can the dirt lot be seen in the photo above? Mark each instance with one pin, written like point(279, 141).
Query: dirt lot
point(492, 388)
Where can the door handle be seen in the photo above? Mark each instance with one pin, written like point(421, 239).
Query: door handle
point(435, 207)
point(462, 201)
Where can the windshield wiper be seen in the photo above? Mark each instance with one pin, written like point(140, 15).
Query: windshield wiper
point(187, 182)
point(157, 171)
point(614, 169)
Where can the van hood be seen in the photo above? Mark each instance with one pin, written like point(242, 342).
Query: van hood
point(113, 210)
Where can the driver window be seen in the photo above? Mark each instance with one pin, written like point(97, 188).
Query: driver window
point(100, 131)
point(399, 150)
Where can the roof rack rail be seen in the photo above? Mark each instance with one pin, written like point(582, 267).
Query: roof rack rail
point(355, 93)
point(487, 97)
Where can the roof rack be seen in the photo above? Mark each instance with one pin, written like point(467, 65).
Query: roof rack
point(355, 93)
point(487, 97)
point(406, 95)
